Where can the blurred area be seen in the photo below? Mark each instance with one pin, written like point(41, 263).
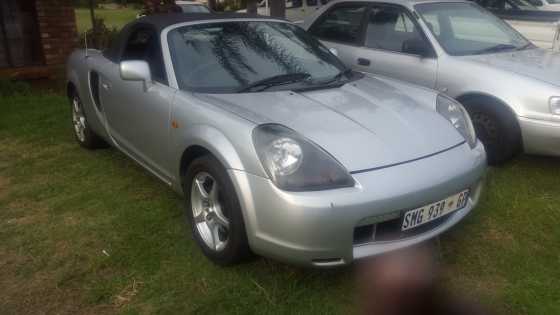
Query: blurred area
point(407, 282)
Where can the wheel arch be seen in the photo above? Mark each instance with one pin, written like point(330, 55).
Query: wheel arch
point(491, 100)
point(502, 107)
point(204, 139)
point(70, 89)
point(190, 154)
point(472, 96)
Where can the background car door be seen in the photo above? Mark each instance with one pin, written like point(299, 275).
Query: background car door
point(389, 28)
point(138, 114)
point(341, 27)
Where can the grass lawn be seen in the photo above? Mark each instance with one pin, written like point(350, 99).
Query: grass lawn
point(91, 232)
point(113, 18)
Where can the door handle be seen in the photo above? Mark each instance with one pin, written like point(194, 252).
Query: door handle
point(364, 62)
point(106, 86)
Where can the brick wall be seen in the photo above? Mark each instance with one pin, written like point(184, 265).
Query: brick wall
point(57, 29)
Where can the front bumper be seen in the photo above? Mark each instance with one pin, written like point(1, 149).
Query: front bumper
point(317, 228)
point(540, 136)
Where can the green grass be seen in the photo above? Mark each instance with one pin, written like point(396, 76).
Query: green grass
point(113, 18)
point(62, 208)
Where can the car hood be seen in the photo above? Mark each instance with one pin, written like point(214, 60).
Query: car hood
point(539, 64)
point(366, 124)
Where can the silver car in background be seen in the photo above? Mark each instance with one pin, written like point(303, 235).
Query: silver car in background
point(276, 146)
point(510, 88)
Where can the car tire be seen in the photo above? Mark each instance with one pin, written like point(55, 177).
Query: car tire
point(85, 136)
point(498, 130)
point(223, 244)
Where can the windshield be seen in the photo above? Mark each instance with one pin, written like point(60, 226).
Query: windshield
point(467, 29)
point(194, 8)
point(226, 57)
point(521, 5)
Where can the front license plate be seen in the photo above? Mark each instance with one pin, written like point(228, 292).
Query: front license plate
point(416, 217)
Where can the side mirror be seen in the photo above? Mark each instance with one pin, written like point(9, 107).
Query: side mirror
point(136, 70)
point(333, 51)
point(416, 46)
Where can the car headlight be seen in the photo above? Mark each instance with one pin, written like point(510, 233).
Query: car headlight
point(458, 116)
point(554, 103)
point(295, 163)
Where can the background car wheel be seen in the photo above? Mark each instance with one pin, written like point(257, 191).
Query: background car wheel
point(497, 128)
point(82, 132)
point(214, 213)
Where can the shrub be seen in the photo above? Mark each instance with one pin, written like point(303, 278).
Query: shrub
point(99, 37)
point(12, 87)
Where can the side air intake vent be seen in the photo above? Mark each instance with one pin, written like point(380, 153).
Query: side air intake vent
point(94, 88)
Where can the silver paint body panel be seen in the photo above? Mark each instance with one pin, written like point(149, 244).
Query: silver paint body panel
point(369, 123)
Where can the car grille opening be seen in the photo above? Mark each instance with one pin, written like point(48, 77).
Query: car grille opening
point(390, 230)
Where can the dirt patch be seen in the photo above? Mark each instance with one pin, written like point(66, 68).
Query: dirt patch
point(38, 293)
point(494, 233)
point(125, 296)
point(25, 213)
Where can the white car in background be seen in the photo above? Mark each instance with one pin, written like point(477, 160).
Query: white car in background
point(187, 7)
point(296, 10)
point(510, 88)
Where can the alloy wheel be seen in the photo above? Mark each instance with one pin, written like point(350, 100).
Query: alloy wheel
point(78, 119)
point(211, 223)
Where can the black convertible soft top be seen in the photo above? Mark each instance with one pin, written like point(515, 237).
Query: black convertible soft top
point(158, 22)
point(161, 21)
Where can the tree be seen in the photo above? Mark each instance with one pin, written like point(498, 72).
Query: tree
point(278, 8)
point(212, 4)
point(92, 16)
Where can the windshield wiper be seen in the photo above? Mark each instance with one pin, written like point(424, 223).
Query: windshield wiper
point(528, 45)
point(280, 79)
point(497, 48)
point(344, 73)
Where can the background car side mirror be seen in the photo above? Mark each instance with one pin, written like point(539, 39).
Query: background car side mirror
point(333, 51)
point(416, 46)
point(136, 70)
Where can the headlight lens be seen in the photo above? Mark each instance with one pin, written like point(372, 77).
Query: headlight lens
point(295, 163)
point(554, 103)
point(457, 115)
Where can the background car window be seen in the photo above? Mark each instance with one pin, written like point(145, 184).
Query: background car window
point(510, 5)
point(432, 22)
point(311, 3)
point(340, 24)
point(389, 27)
point(143, 44)
point(290, 4)
point(466, 29)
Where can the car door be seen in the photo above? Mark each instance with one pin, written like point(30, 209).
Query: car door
point(341, 27)
point(138, 113)
point(389, 31)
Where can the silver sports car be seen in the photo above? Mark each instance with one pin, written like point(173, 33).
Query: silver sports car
point(510, 87)
point(277, 147)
